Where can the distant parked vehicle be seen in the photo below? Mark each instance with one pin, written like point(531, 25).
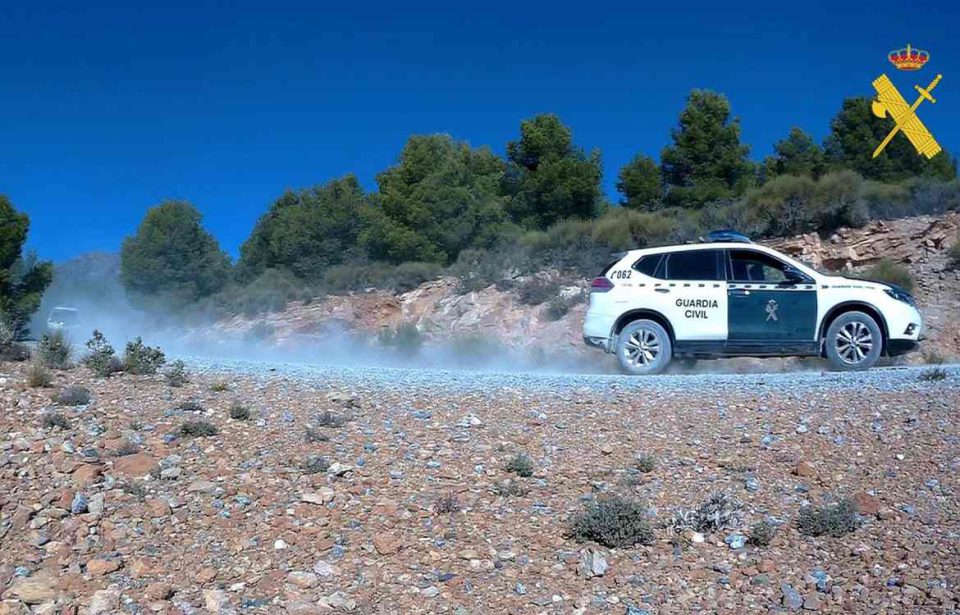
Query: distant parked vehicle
point(65, 319)
point(730, 297)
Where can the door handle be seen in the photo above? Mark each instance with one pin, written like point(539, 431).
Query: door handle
point(739, 292)
point(662, 290)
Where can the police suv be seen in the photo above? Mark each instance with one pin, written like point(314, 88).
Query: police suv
point(729, 297)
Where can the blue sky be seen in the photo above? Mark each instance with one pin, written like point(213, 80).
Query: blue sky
point(107, 109)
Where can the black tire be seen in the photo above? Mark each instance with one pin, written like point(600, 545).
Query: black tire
point(643, 348)
point(853, 342)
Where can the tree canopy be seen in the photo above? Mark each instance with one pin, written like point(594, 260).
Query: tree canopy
point(706, 160)
point(306, 231)
point(640, 183)
point(854, 134)
point(797, 154)
point(23, 278)
point(441, 197)
point(172, 260)
point(548, 178)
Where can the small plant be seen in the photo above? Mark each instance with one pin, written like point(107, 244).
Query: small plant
point(719, 512)
point(220, 386)
point(510, 488)
point(447, 504)
point(890, 272)
point(126, 448)
point(953, 255)
point(176, 374)
point(102, 359)
point(314, 435)
point(834, 519)
point(521, 465)
point(54, 350)
point(933, 374)
point(135, 489)
point(55, 419)
point(932, 357)
point(614, 522)
point(761, 533)
point(189, 406)
point(646, 463)
point(38, 376)
point(536, 291)
point(198, 429)
point(405, 339)
point(142, 360)
point(558, 307)
point(239, 412)
point(315, 464)
point(73, 396)
point(329, 419)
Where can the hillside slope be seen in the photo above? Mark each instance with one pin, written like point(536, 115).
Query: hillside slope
point(494, 316)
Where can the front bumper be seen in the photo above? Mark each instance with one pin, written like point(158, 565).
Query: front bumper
point(896, 347)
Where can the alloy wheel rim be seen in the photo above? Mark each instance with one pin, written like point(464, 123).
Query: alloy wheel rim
point(642, 348)
point(854, 342)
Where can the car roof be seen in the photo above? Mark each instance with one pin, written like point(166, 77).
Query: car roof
point(722, 245)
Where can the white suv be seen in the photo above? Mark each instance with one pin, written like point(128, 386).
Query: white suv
point(729, 297)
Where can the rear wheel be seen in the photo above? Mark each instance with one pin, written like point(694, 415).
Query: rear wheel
point(643, 347)
point(853, 342)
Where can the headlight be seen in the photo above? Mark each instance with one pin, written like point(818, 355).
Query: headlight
point(900, 295)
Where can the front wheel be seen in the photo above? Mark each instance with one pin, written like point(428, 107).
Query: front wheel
point(854, 342)
point(643, 347)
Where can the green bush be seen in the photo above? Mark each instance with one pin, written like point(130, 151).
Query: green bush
point(190, 406)
point(101, 359)
point(270, 291)
point(259, 332)
point(198, 429)
point(835, 519)
point(54, 350)
point(73, 396)
point(38, 376)
point(55, 419)
point(176, 374)
point(953, 254)
point(646, 463)
point(142, 360)
point(405, 339)
point(762, 533)
point(890, 272)
point(933, 374)
point(447, 504)
point(315, 464)
point(613, 522)
point(239, 412)
point(559, 306)
point(521, 465)
point(536, 291)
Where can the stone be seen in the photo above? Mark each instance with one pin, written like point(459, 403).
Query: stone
point(79, 504)
point(302, 579)
point(214, 600)
point(105, 601)
point(87, 474)
point(36, 589)
point(387, 544)
point(791, 600)
point(157, 507)
point(159, 591)
point(324, 495)
point(805, 469)
point(867, 504)
point(135, 466)
point(736, 541)
point(325, 569)
point(101, 567)
point(592, 563)
point(811, 602)
point(338, 600)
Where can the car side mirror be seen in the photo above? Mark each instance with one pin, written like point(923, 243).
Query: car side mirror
point(793, 276)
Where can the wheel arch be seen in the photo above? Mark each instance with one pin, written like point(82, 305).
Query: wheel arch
point(632, 315)
point(854, 306)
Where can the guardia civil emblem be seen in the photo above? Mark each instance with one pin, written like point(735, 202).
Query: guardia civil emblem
point(890, 103)
point(772, 310)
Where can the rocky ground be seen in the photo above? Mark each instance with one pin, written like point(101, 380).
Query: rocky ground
point(387, 492)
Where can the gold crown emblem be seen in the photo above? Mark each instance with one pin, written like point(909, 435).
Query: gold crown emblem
point(908, 58)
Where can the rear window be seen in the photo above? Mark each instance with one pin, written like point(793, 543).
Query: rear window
point(693, 265)
point(647, 265)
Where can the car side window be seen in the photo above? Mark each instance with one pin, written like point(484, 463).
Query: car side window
point(647, 265)
point(750, 266)
point(693, 265)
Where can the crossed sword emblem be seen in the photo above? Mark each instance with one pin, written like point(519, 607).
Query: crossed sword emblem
point(892, 103)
